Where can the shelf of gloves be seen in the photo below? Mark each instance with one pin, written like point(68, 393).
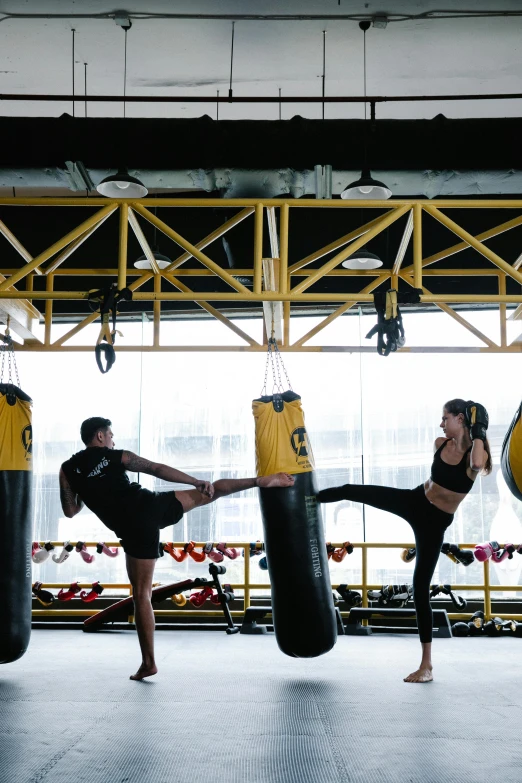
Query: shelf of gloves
point(464, 554)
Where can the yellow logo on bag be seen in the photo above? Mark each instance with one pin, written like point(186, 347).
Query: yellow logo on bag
point(27, 440)
point(299, 441)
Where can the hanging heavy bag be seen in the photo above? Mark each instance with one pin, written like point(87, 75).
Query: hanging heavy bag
point(302, 605)
point(15, 520)
point(511, 459)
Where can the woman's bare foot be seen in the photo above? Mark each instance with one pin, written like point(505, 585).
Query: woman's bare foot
point(144, 671)
point(421, 675)
point(275, 480)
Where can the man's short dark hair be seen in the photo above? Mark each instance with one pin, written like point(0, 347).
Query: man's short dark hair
point(91, 426)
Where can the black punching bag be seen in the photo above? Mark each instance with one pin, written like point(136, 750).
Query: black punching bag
point(15, 521)
point(511, 459)
point(302, 603)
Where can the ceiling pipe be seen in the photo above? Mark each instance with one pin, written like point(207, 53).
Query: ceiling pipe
point(512, 96)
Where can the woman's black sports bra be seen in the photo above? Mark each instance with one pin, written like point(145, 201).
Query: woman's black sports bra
point(452, 477)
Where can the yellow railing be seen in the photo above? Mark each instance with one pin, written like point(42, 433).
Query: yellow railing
point(247, 585)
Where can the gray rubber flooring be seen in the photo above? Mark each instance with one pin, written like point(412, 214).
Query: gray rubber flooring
point(235, 710)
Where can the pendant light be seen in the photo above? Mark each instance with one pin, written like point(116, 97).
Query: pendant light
point(362, 259)
point(142, 262)
point(366, 187)
point(122, 184)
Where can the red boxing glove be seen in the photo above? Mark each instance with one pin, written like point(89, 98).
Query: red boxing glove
point(88, 598)
point(190, 548)
point(66, 595)
point(178, 554)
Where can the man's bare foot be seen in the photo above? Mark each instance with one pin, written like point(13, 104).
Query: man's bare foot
point(144, 671)
point(421, 675)
point(275, 480)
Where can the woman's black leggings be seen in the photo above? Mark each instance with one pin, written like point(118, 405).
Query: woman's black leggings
point(428, 523)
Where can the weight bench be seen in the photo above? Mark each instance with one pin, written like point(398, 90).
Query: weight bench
point(255, 613)
point(353, 626)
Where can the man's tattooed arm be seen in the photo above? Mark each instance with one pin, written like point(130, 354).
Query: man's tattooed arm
point(71, 503)
point(138, 464)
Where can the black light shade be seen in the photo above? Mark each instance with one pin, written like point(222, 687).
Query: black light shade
point(362, 259)
point(122, 185)
point(366, 187)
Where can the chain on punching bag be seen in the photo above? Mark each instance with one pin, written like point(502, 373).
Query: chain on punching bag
point(15, 508)
point(302, 605)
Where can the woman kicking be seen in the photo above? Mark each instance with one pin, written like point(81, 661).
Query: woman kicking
point(460, 456)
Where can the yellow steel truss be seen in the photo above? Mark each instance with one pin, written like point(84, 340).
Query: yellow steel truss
point(292, 281)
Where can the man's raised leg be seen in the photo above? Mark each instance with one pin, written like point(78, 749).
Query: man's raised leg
point(140, 576)
point(192, 498)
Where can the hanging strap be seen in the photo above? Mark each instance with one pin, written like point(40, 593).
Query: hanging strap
point(108, 299)
point(389, 328)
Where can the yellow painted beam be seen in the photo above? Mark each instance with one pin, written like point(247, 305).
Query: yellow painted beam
point(214, 312)
point(186, 245)
point(382, 224)
point(474, 243)
point(344, 240)
point(340, 311)
point(417, 246)
point(53, 265)
point(8, 234)
point(450, 251)
point(219, 232)
point(251, 202)
point(267, 296)
point(187, 272)
point(258, 249)
point(57, 246)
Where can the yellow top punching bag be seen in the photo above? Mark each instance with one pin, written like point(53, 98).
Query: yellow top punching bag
point(302, 605)
point(16, 447)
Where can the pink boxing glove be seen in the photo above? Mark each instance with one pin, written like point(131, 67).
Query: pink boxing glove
point(227, 550)
point(211, 553)
point(484, 551)
point(82, 549)
point(502, 554)
point(102, 548)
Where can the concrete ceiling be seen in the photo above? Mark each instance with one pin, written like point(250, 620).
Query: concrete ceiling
point(169, 56)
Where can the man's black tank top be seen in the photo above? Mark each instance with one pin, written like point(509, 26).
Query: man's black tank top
point(99, 478)
point(452, 477)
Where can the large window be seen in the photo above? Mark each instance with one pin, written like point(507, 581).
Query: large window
point(370, 419)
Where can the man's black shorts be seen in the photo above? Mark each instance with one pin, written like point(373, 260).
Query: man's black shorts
point(140, 535)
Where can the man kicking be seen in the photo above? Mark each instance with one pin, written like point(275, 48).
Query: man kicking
point(97, 476)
